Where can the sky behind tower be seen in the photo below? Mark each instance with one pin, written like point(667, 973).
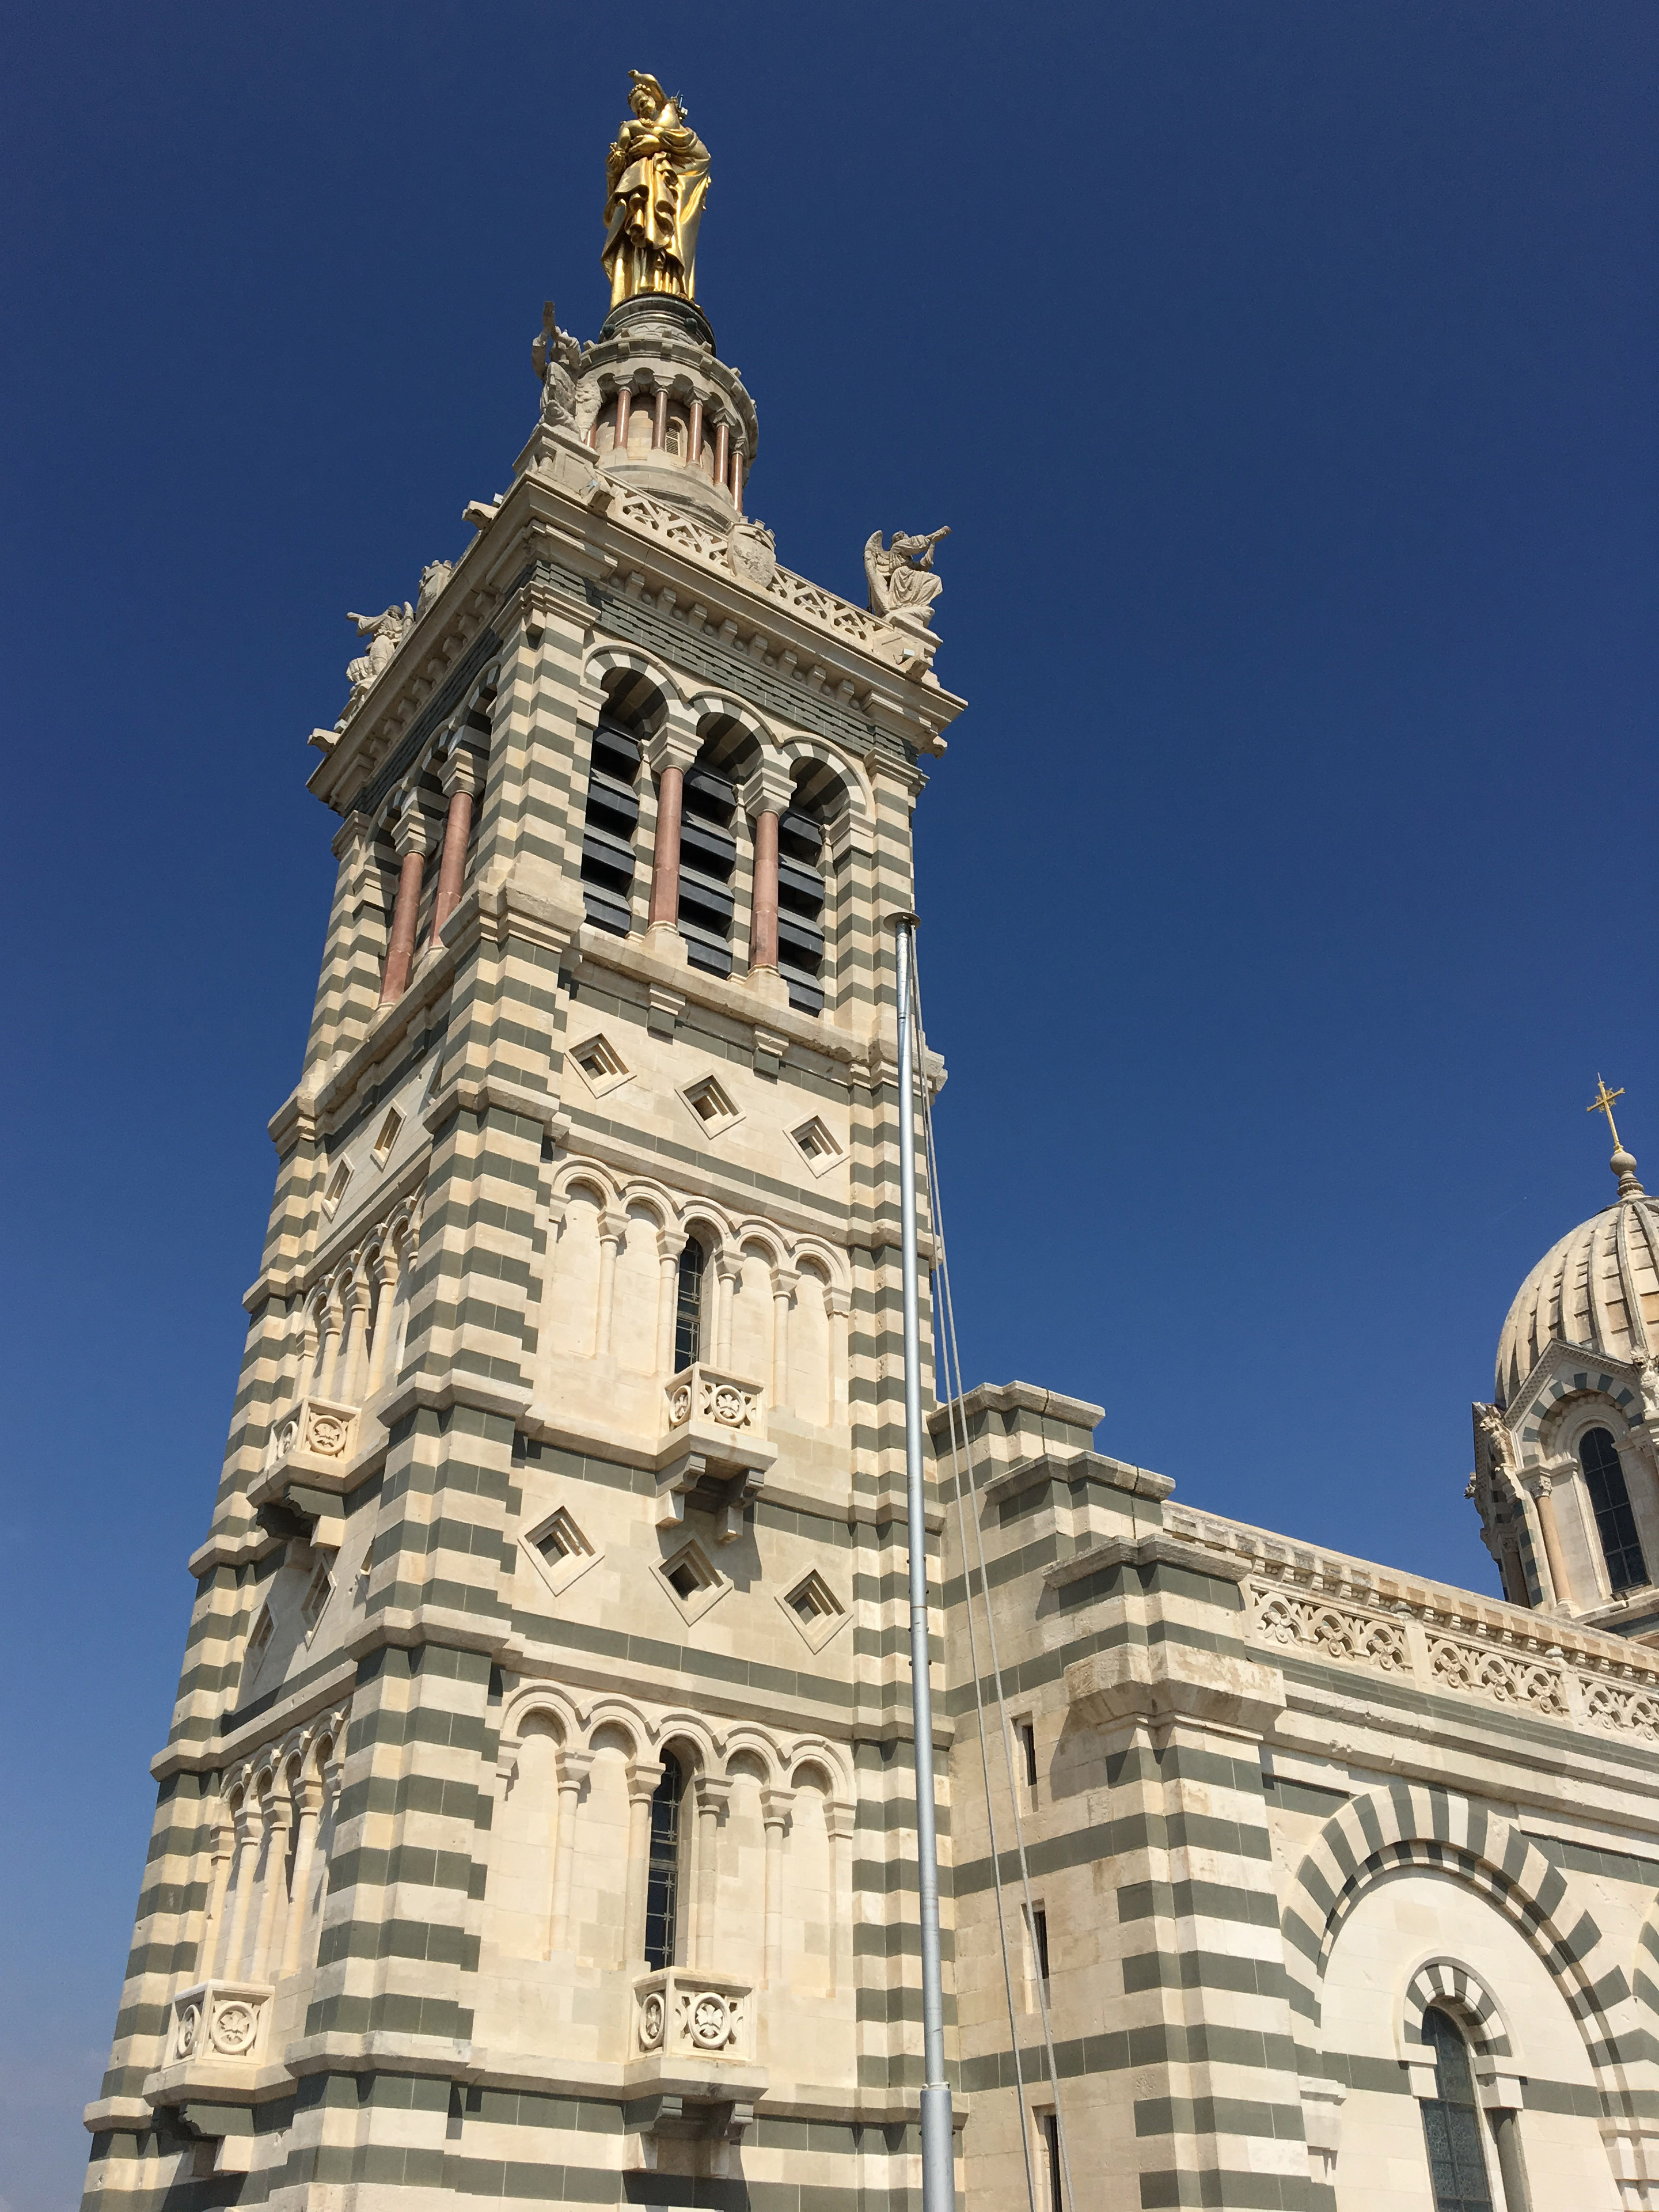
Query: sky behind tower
point(1286, 374)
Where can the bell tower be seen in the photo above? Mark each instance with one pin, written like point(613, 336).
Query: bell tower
point(537, 1813)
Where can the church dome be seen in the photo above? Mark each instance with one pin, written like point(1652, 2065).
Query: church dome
point(1598, 1288)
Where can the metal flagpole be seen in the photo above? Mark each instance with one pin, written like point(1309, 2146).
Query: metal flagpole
point(937, 2150)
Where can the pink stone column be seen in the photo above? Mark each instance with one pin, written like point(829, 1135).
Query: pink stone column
point(694, 435)
point(665, 852)
point(624, 407)
point(763, 909)
point(660, 420)
point(409, 837)
point(722, 451)
point(460, 781)
point(737, 479)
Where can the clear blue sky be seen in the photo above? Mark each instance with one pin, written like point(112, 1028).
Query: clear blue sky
point(1286, 373)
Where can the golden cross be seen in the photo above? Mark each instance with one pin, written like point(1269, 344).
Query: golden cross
point(1602, 1104)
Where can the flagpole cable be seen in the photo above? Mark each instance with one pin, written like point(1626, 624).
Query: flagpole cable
point(960, 1468)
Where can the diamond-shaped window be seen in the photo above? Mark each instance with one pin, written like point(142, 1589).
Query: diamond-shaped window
point(711, 1105)
point(337, 1188)
point(692, 1580)
point(314, 1603)
point(816, 1610)
point(602, 1066)
point(560, 1549)
point(817, 1146)
point(390, 1130)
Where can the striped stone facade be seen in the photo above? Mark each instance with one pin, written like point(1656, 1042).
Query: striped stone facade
point(537, 1818)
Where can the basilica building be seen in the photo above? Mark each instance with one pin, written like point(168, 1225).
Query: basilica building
point(537, 1821)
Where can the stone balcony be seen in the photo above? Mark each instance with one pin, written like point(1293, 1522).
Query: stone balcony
point(714, 1433)
point(217, 2040)
point(310, 1449)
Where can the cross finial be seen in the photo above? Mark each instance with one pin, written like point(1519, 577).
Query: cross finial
point(1602, 1104)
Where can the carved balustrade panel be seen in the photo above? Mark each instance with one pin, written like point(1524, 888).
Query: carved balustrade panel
point(683, 2011)
point(1514, 1678)
point(1334, 1631)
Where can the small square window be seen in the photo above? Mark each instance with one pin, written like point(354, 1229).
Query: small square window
point(692, 1580)
point(561, 1549)
point(337, 1188)
point(602, 1066)
point(711, 1106)
point(817, 1146)
point(390, 1130)
point(816, 1610)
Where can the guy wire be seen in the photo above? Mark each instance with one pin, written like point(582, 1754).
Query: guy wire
point(960, 1469)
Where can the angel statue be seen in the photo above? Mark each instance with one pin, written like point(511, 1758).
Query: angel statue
point(656, 181)
point(901, 579)
point(556, 358)
point(386, 633)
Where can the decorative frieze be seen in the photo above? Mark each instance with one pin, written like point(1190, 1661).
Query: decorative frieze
point(1350, 1613)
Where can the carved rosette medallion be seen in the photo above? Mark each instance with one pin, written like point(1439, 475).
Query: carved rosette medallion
point(711, 2022)
point(652, 2018)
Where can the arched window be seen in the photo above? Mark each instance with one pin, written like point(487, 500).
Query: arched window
point(662, 1885)
point(1451, 2122)
point(613, 814)
point(688, 1306)
point(708, 854)
point(800, 909)
point(1615, 1524)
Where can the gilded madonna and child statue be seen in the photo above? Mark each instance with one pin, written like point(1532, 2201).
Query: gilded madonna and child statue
point(657, 181)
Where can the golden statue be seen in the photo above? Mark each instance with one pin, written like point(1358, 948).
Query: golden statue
point(656, 179)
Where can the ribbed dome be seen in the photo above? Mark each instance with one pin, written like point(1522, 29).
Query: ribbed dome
point(1599, 1287)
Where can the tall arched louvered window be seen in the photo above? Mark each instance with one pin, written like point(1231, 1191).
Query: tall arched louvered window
point(613, 815)
point(662, 1885)
point(708, 854)
point(1615, 1524)
point(800, 909)
point(1451, 2122)
point(688, 1306)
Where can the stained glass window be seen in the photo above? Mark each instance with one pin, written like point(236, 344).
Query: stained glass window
point(1451, 2122)
point(1615, 1524)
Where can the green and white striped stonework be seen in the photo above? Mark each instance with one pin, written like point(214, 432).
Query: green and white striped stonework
point(392, 1927)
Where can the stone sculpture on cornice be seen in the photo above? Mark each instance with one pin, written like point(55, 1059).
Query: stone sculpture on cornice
point(656, 182)
point(557, 359)
point(433, 577)
point(1495, 1435)
point(386, 633)
point(901, 575)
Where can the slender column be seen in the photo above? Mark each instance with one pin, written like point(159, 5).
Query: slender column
point(309, 1346)
point(619, 435)
point(410, 838)
point(461, 783)
point(712, 1794)
point(334, 1322)
point(838, 1820)
point(613, 1227)
point(1511, 2166)
point(775, 1807)
point(278, 1812)
point(573, 1768)
point(386, 1301)
point(737, 479)
point(668, 754)
point(669, 1248)
point(643, 1776)
point(1541, 1483)
point(694, 435)
point(248, 1851)
point(218, 1876)
point(722, 451)
point(839, 1304)
point(784, 1281)
point(763, 910)
point(660, 420)
point(351, 1383)
point(728, 1272)
point(309, 1806)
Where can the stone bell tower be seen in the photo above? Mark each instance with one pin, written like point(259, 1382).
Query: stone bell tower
point(537, 1815)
